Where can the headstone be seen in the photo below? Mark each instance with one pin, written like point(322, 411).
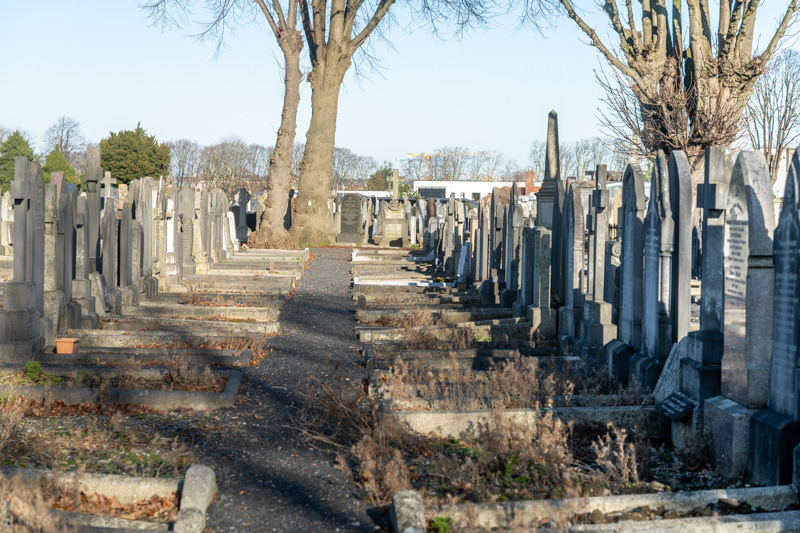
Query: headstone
point(700, 369)
point(241, 198)
point(542, 317)
point(775, 431)
point(23, 305)
point(657, 300)
point(573, 246)
point(93, 172)
point(186, 230)
point(597, 328)
point(747, 319)
point(618, 354)
point(749, 225)
point(350, 215)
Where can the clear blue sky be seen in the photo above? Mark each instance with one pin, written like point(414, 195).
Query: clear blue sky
point(100, 62)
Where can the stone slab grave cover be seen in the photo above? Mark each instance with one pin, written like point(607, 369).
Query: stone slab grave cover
point(350, 220)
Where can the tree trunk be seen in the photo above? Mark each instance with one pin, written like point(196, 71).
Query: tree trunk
point(311, 208)
point(280, 163)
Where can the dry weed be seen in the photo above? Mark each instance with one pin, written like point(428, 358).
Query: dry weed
point(616, 457)
point(370, 444)
point(11, 412)
point(512, 384)
point(382, 469)
point(26, 511)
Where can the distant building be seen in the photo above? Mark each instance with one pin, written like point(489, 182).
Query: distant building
point(468, 190)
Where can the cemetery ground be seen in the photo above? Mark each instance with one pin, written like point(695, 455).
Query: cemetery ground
point(319, 439)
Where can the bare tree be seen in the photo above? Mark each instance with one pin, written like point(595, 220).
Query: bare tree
point(185, 157)
point(598, 152)
point(568, 159)
point(536, 158)
point(494, 164)
point(225, 15)
point(344, 167)
point(365, 167)
point(512, 171)
point(334, 33)
point(256, 164)
point(224, 165)
point(449, 163)
point(65, 135)
point(676, 98)
point(772, 118)
point(4, 132)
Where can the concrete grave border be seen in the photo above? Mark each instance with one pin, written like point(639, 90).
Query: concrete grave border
point(162, 400)
point(196, 490)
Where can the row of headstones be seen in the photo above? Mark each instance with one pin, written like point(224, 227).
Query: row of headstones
point(627, 304)
point(80, 257)
point(736, 378)
point(359, 220)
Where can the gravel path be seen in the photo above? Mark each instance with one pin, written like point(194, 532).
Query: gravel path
point(269, 479)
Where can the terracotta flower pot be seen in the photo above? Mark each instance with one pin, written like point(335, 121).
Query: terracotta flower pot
point(67, 346)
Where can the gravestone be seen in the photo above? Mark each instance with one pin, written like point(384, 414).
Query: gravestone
point(700, 368)
point(680, 190)
point(525, 293)
point(596, 328)
point(619, 351)
point(542, 317)
point(81, 286)
point(775, 431)
point(241, 198)
point(513, 224)
point(23, 305)
point(749, 274)
point(657, 339)
point(129, 291)
point(550, 204)
point(350, 220)
point(186, 230)
point(55, 305)
point(65, 248)
point(747, 319)
point(93, 173)
point(573, 246)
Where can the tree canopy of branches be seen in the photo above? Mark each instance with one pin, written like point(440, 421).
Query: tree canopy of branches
point(772, 118)
point(232, 164)
point(334, 32)
point(185, 159)
point(349, 169)
point(576, 158)
point(459, 163)
point(224, 16)
point(130, 155)
point(13, 146)
point(676, 98)
point(65, 135)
